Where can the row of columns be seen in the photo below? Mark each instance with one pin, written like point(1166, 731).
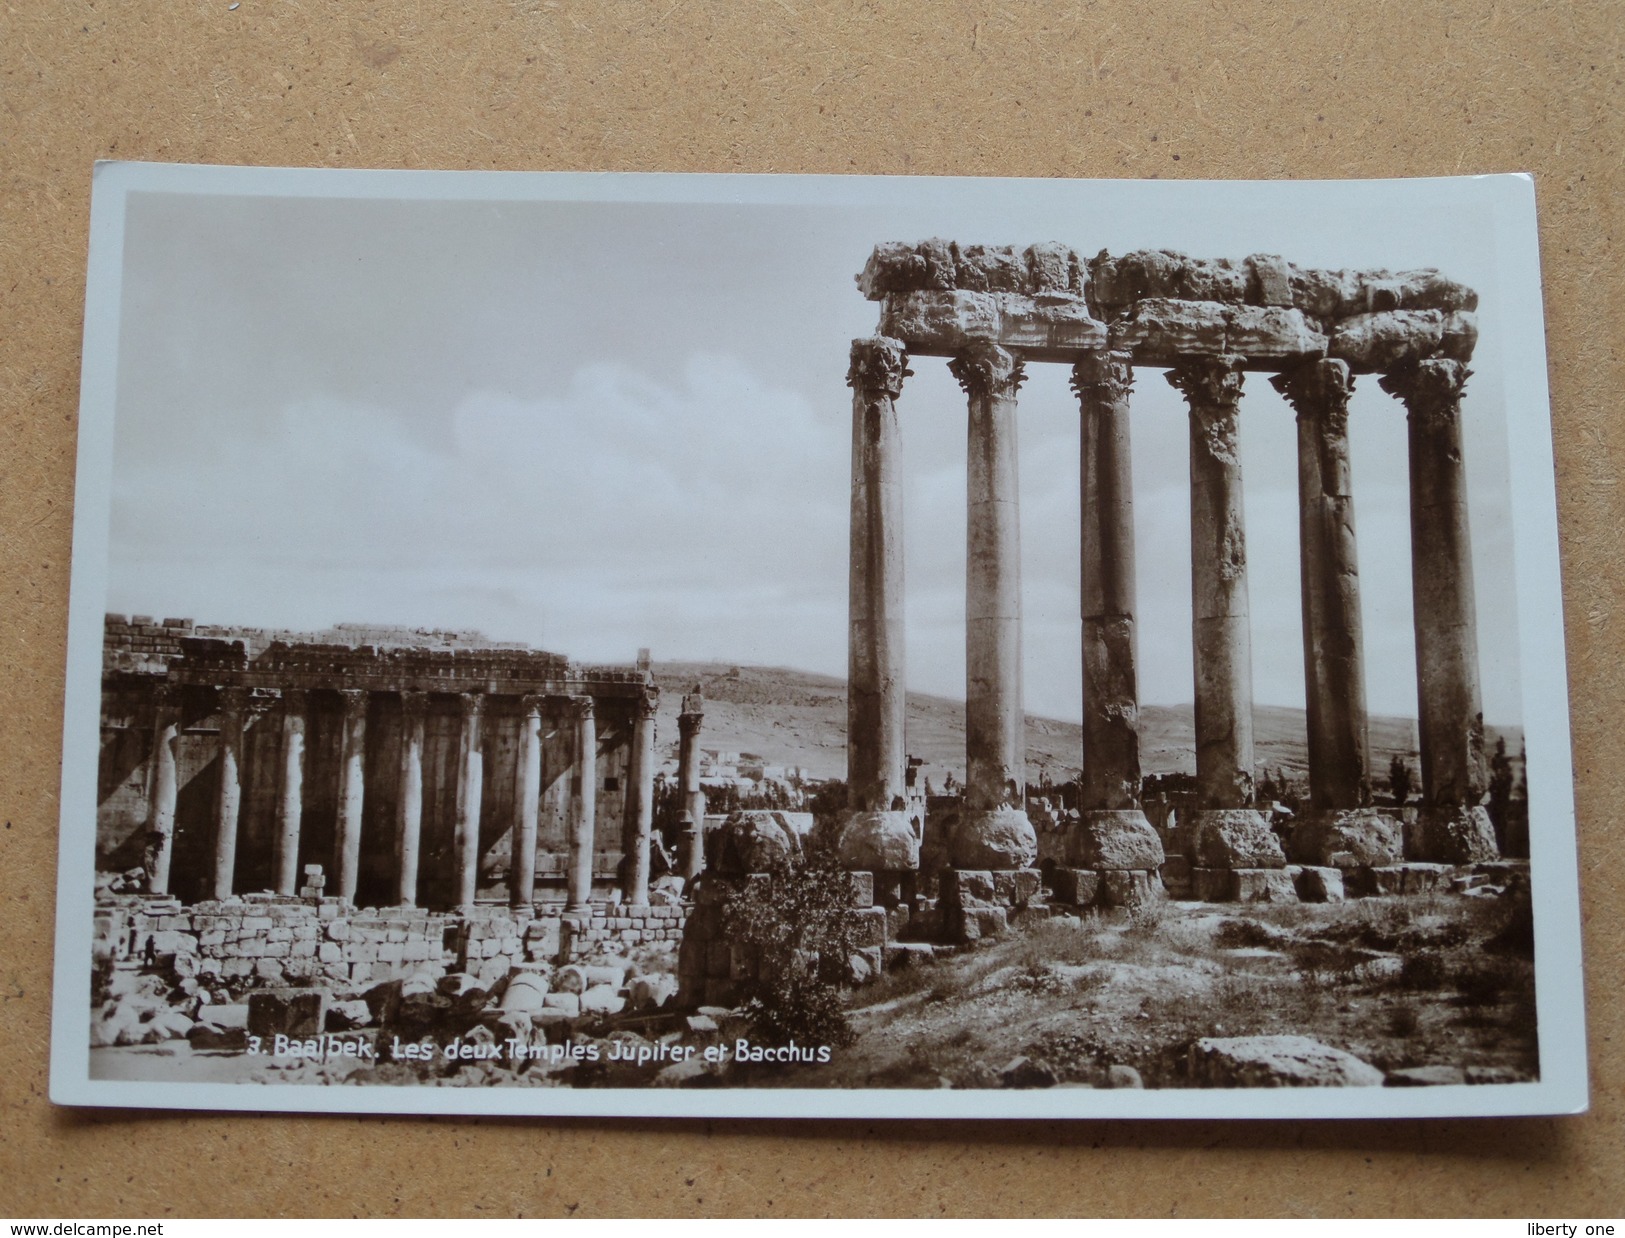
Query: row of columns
point(993, 831)
point(237, 705)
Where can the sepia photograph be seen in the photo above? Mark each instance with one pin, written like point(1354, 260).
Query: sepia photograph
point(815, 646)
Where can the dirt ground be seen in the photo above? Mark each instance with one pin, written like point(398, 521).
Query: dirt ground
point(1429, 981)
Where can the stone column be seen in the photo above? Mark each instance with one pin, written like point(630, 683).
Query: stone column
point(641, 776)
point(522, 861)
point(877, 834)
point(993, 830)
point(688, 783)
point(1225, 832)
point(583, 806)
point(163, 786)
point(470, 787)
point(352, 790)
point(1338, 825)
point(1112, 831)
point(1455, 826)
point(233, 703)
point(291, 795)
point(409, 810)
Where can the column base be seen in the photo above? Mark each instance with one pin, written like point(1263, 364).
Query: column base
point(993, 838)
point(578, 909)
point(1230, 838)
point(1456, 834)
point(1113, 839)
point(878, 842)
point(1347, 838)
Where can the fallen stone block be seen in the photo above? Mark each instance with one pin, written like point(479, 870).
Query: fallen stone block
point(1023, 1072)
point(298, 1014)
point(1276, 1061)
point(1319, 885)
point(1077, 886)
point(1176, 876)
point(602, 999)
point(207, 1036)
point(526, 993)
point(567, 1004)
point(903, 954)
point(1118, 1075)
point(1235, 838)
point(1426, 1077)
point(1129, 889)
point(1214, 885)
point(1264, 885)
point(1420, 878)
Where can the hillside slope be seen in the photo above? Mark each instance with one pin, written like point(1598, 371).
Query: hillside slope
point(795, 717)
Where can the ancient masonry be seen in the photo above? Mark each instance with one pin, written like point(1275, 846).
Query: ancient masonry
point(258, 787)
point(993, 310)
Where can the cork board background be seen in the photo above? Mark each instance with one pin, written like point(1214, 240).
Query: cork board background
point(1183, 88)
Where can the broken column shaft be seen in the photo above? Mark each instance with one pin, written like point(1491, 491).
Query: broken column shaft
point(877, 834)
point(994, 832)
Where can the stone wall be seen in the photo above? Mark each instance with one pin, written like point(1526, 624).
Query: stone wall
point(261, 941)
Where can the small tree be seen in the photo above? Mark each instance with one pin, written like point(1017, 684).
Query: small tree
point(802, 929)
point(1399, 779)
point(1500, 791)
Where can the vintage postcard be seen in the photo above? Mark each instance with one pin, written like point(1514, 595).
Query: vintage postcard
point(798, 646)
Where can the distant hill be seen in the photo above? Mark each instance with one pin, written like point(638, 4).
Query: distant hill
point(795, 717)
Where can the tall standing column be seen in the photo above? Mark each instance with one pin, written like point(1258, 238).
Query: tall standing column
point(291, 795)
point(1456, 828)
point(993, 830)
point(522, 861)
point(877, 835)
point(642, 779)
point(1112, 831)
point(228, 803)
point(470, 788)
point(163, 787)
point(1227, 832)
point(583, 805)
point(352, 789)
point(1339, 826)
point(410, 799)
point(692, 798)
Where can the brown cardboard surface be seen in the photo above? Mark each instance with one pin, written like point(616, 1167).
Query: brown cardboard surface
point(1179, 89)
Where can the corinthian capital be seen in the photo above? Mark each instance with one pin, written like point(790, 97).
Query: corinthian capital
point(879, 366)
point(1211, 381)
point(1431, 390)
point(985, 370)
point(1318, 390)
point(1103, 375)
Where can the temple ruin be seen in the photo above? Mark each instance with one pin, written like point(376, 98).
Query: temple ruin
point(993, 310)
point(409, 767)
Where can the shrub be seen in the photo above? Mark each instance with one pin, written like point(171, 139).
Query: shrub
point(1403, 1022)
point(803, 931)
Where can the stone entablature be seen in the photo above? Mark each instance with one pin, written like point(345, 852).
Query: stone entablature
point(1045, 304)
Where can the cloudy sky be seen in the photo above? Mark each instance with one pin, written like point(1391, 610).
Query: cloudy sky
point(598, 424)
